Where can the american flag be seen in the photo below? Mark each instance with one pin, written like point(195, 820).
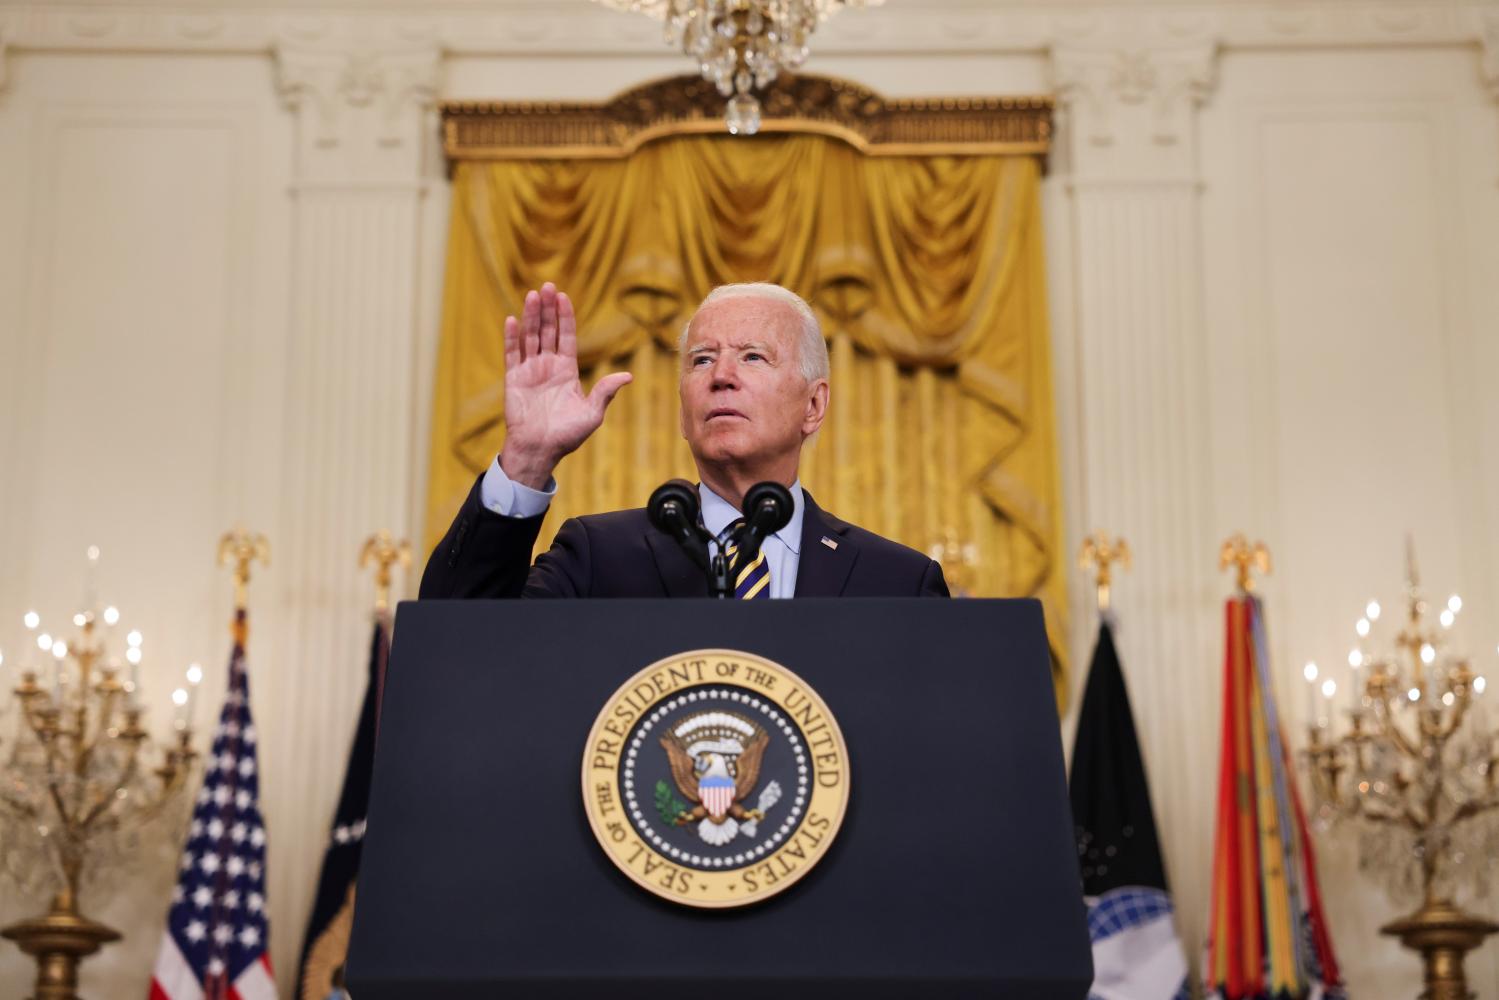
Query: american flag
point(216, 946)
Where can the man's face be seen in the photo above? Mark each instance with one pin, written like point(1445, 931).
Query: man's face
point(744, 399)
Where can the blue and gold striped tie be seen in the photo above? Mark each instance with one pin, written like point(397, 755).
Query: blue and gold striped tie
point(753, 581)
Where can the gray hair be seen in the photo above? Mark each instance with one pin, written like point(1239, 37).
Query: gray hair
point(812, 349)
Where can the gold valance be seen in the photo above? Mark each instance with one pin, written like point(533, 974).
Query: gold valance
point(687, 105)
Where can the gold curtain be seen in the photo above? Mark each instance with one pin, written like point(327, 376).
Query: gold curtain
point(928, 275)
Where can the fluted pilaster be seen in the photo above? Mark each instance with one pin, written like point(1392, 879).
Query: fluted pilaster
point(349, 469)
point(1136, 406)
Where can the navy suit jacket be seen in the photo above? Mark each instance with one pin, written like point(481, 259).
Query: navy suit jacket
point(620, 554)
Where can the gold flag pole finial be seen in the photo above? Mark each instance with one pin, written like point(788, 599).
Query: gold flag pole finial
point(1101, 552)
point(241, 548)
point(382, 552)
point(1246, 559)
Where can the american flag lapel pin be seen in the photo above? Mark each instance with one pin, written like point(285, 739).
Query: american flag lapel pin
point(829, 543)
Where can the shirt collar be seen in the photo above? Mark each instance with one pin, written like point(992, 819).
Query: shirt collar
point(718, 514)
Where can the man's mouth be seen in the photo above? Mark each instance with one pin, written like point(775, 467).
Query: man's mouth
point(724, 411)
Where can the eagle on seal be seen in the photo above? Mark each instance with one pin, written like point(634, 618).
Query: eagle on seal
point(715, 762)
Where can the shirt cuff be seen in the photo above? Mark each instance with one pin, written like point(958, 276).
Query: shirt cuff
point(503, 495)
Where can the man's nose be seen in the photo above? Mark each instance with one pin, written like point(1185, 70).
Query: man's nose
point(725, 374)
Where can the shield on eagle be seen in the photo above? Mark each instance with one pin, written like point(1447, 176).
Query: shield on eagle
point(715, 761)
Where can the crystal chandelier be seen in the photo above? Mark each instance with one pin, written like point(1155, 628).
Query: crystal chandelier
point(741, 45)
point(1413, 777)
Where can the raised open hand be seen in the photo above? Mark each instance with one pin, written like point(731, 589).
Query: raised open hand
point(546, 413)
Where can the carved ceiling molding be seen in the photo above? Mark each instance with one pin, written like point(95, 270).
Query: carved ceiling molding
point(560, 27)
point(805, 103)
point(329, 82)
point(1172, 82)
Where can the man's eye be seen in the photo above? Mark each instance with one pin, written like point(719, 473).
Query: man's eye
point(753, 356)
point(700, 360)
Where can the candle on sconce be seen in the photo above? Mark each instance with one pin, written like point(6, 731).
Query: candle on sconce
point(194, 678)
point(1355, 689)
point(179, 714)
point(59, 653)
point(91, 578)
point(133, 657)
point(32, 621)
point(1310, 673)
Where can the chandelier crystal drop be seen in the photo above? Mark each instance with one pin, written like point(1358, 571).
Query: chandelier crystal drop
point(741, 46)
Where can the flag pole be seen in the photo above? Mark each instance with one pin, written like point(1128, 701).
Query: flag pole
point(216, 940)
point(382, 552)
point(325, 944)
point(1100, 553)
point(1131, 919)
point(242, 548)
point(1246, 559)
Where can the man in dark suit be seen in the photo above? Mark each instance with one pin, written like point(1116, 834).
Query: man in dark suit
point(754, 389)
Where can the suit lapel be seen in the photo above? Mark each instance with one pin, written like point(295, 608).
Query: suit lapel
point(679, 574)
point(822, 568)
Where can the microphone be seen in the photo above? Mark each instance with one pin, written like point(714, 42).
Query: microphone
point(767, 508)
point(673, 509)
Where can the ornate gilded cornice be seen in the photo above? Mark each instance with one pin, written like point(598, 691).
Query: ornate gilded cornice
point(685, 105)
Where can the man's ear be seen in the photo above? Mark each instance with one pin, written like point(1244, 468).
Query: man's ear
point(817, 407)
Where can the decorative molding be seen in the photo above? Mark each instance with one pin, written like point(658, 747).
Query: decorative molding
point(577, 27)
point(802, 103)
point(330, 81)
point(1172, 81)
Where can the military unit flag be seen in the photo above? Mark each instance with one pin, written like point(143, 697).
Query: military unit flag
point(1136, 952)
point(1268, 939)
point(320, 974)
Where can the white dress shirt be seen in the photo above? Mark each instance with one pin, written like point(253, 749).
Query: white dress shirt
point(501, 494)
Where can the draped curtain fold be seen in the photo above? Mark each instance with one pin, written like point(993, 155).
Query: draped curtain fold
point(926, 271)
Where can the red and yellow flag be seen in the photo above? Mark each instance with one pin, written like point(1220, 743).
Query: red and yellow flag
point(1268, 938)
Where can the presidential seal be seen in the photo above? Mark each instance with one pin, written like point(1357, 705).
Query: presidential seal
point(715, 778)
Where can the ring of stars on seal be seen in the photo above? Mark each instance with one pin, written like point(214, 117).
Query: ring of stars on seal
point(715, 778)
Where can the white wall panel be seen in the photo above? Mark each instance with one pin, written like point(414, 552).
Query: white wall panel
point(1344, 346)
point(141, 346)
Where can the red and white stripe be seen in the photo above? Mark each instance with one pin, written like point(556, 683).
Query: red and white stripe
point(173, 979)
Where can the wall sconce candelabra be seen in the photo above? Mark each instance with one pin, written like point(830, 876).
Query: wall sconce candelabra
point(80, 781)
point(1414, 774)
